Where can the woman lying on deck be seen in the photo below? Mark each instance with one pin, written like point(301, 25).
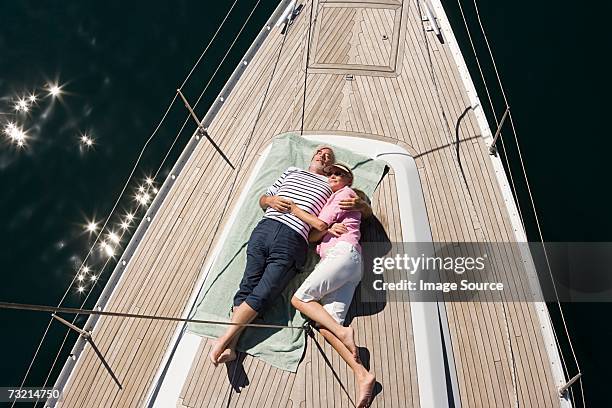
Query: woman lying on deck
point(326, 294)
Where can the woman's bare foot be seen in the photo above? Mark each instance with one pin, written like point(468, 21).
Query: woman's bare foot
point(347, 336)
point(227, 356)
point(366, 384)
point(216, 351)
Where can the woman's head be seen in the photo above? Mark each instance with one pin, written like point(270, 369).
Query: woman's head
point(340, 175)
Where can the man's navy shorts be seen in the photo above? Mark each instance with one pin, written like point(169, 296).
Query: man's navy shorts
point(274, 254)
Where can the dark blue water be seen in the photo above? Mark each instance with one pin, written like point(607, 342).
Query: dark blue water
point(119, 63)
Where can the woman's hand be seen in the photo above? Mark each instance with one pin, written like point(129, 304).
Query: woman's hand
point(356, 204)
point(353, 203)
point(337, 229)
point(293, 208)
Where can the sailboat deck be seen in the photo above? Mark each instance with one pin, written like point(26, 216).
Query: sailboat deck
point(407, 92)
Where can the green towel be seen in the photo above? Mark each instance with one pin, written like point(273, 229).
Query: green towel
point(282, 348)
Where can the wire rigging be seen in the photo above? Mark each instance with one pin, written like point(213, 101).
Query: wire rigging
point(72, 310)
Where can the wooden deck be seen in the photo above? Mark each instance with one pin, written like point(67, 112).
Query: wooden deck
point(407, 91)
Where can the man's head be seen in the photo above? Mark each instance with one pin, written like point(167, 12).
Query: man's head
point(322, 158)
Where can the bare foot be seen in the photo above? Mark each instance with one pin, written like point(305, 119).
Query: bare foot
point(227, 356)
point(215, 353)
point(348, 339)
point(366, 384)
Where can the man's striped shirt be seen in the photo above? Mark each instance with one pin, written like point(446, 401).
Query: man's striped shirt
point(308, 190)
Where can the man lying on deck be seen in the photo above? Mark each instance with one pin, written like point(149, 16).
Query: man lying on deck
point(279, 243)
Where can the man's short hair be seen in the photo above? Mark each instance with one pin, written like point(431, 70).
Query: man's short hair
point(321, 147)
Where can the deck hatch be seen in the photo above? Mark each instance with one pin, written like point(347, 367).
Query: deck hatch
point(357, 37)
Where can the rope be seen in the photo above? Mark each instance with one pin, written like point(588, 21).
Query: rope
point(541, 236)
point(72, 310)
point(329, 364)
point(158, 126)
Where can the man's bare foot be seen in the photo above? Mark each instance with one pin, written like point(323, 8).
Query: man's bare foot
point(215, 353)
point(347, 336)
point(227, 356)
point(366, 384)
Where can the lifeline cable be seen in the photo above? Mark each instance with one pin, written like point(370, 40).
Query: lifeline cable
point(73, 310)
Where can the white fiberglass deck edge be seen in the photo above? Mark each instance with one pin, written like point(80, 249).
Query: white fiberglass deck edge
point(511, 206)
point(172, 375)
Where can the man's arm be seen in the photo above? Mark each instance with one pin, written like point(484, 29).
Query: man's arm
point(276, 202)
point(270, 199)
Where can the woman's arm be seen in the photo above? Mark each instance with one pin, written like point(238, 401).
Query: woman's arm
point(308, 218)
point(336, 229)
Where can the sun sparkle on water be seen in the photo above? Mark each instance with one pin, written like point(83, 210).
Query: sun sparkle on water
point(114, 237)
point(55, 90)
point(109, 251)
point(23, 109)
